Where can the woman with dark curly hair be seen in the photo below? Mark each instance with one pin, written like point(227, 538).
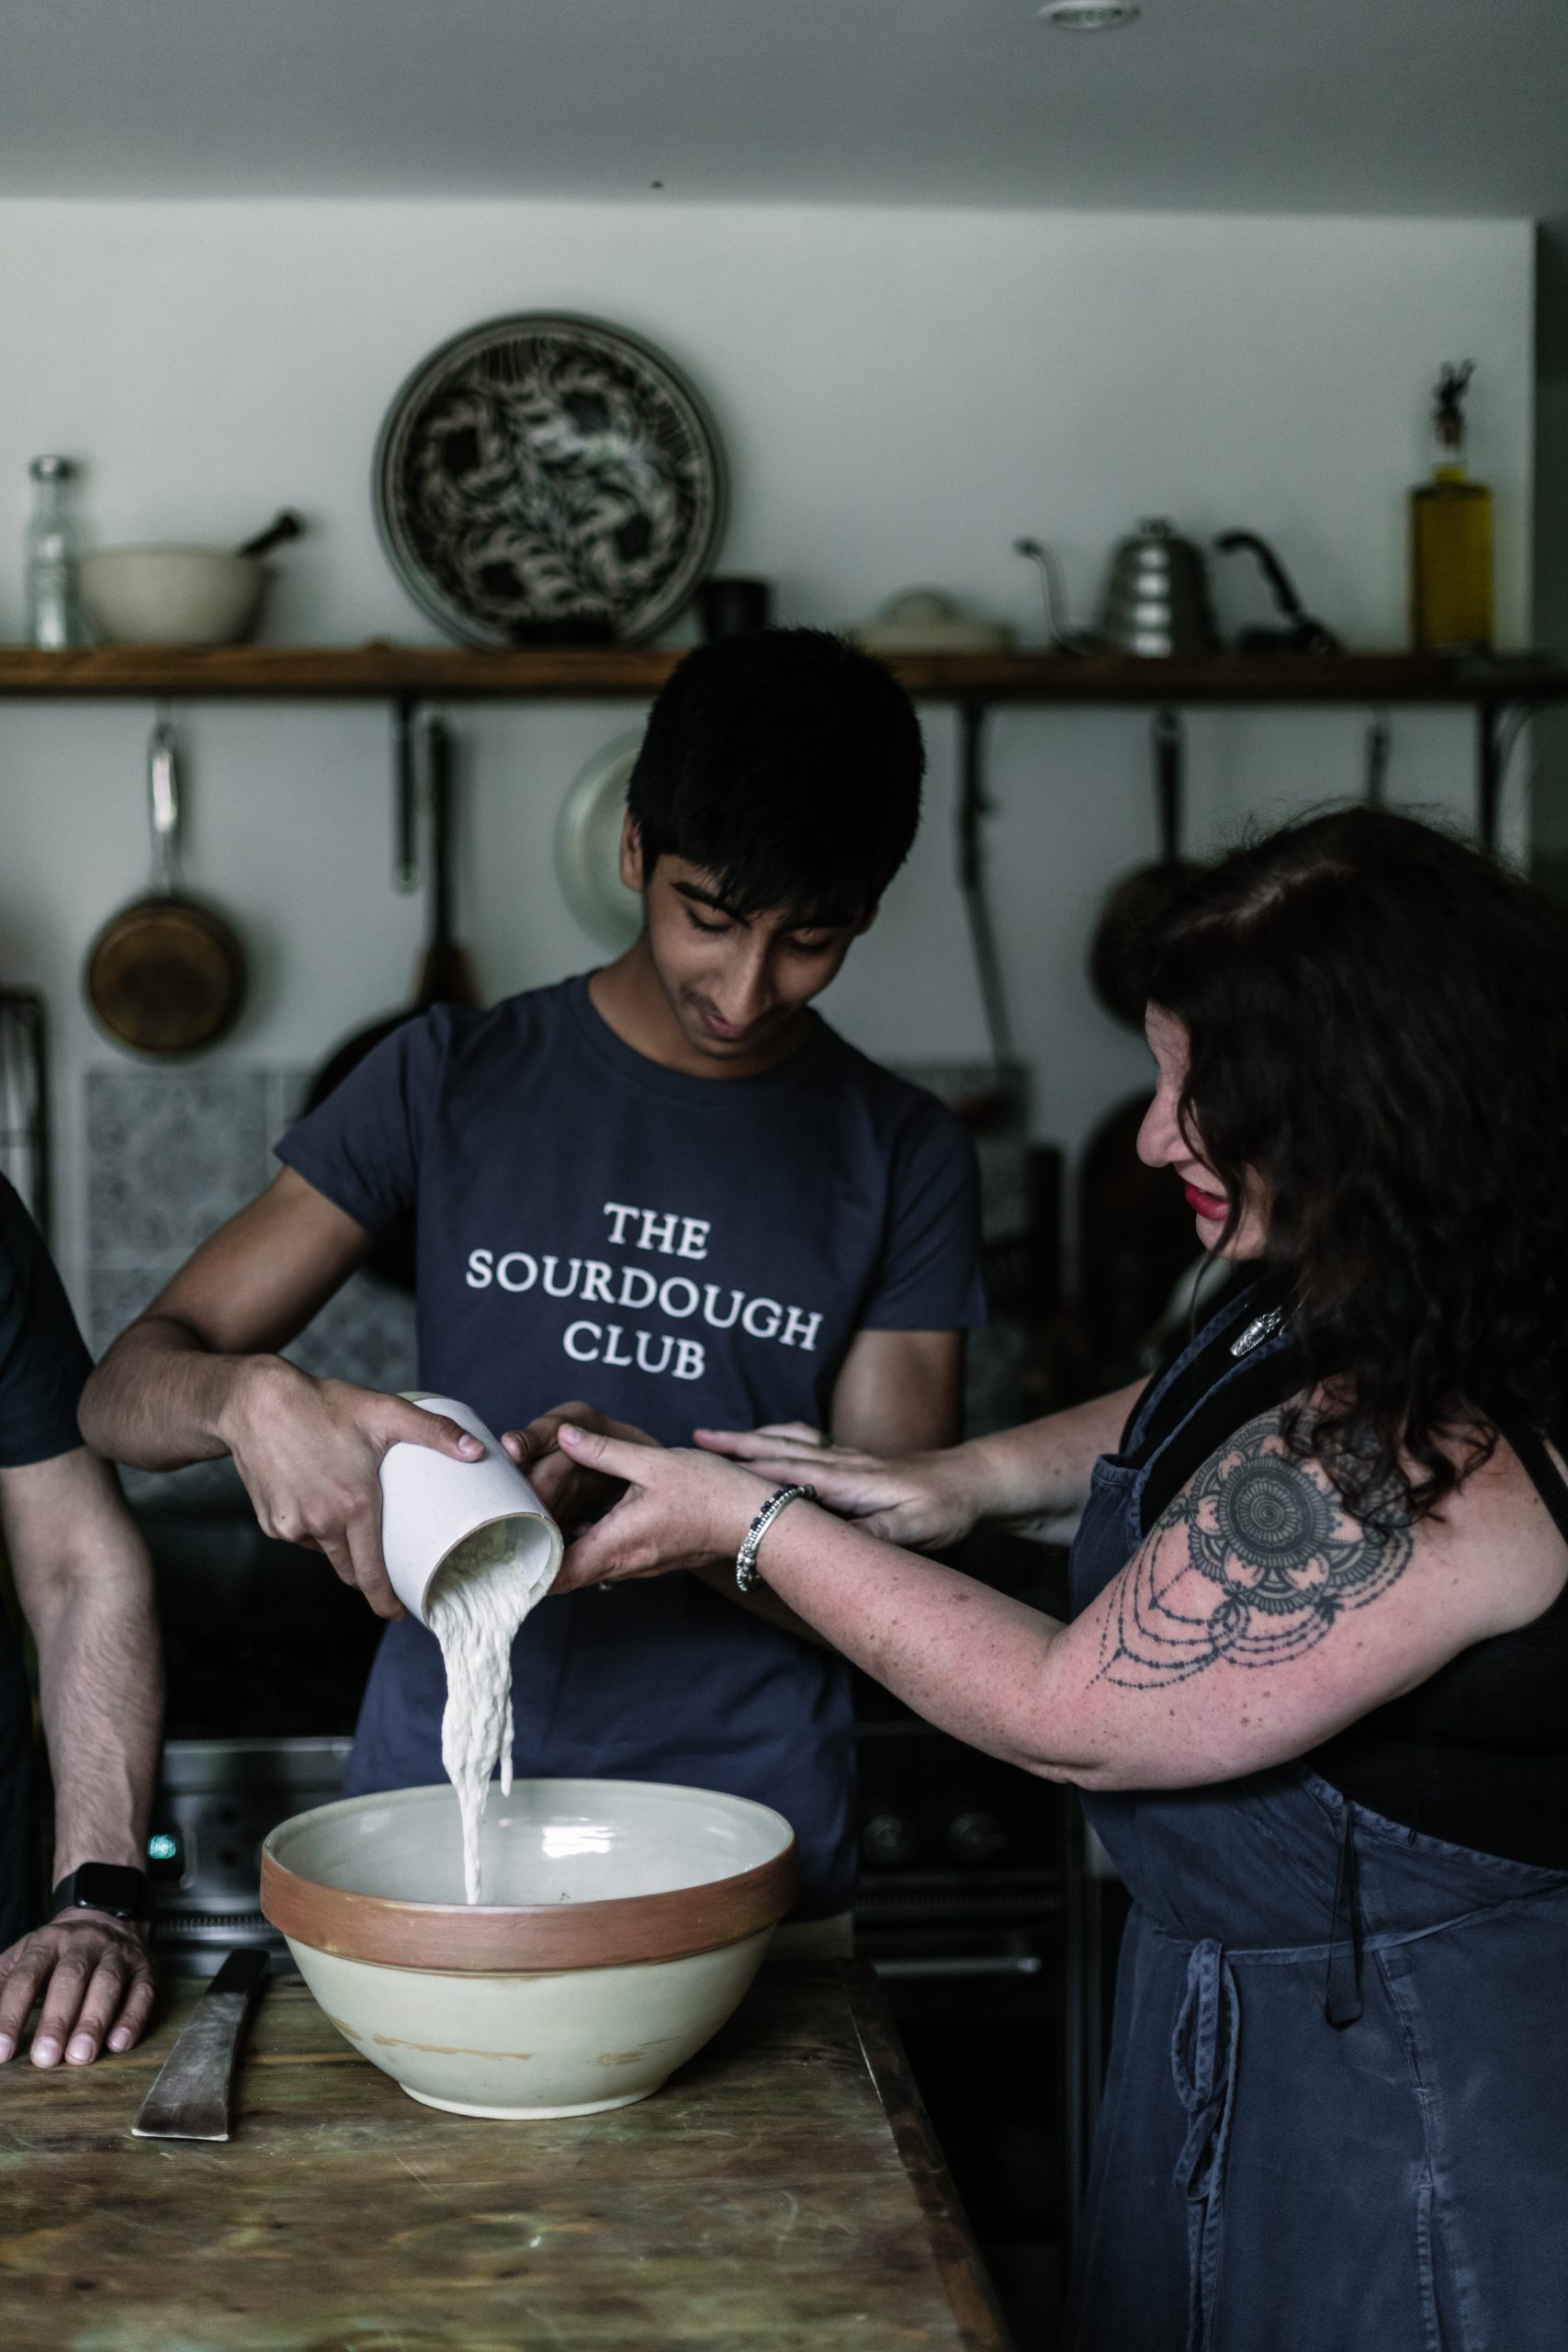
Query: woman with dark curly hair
point(1315, 1683)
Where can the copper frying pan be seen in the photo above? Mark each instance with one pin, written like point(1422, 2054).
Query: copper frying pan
point(166, 975)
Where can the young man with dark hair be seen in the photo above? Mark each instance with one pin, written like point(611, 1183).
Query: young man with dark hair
point(667, 1186)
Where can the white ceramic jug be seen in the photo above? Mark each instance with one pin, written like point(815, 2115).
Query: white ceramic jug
point(432, 1502)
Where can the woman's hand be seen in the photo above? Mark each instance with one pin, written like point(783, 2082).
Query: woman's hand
point(571, 1494)
point(920, 1501)
point(679, 1510)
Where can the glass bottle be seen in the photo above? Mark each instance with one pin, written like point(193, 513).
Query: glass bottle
point(53, 614)
point(1450, 535)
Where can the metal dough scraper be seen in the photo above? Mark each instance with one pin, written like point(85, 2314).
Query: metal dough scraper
point(189, 2098)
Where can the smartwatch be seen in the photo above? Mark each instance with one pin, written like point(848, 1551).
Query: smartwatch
point(124, 1893)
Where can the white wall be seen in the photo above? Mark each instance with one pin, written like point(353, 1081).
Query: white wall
point(899, 393)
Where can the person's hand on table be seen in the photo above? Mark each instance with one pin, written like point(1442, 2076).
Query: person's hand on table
point(310, 1452)
point(920, 1501)
point(678, 1510)
point(572, 1492)
point(95, 1977)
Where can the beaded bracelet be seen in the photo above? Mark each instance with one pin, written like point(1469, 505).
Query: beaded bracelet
point(747, 1575)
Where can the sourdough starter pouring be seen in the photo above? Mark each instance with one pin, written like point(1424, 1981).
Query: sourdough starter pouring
point(479, 1597)
point(470, 1550)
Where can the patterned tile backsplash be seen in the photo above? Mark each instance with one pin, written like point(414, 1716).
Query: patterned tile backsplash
point(172, 1153)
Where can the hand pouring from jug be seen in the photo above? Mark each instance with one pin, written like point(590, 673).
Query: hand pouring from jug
point(432, 1503)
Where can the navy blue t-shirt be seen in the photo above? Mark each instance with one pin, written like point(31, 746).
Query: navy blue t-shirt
point(681, 1252)
point(43, 1370)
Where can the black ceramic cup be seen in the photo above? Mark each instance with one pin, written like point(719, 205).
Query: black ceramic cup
point(732, 608)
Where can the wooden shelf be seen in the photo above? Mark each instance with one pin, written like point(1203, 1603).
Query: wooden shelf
point(375, 673)
point(382, 672)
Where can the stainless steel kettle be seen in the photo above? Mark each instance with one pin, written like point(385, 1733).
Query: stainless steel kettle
point(1156, 596)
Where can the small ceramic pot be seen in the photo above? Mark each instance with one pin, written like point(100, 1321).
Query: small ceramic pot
point(171, 596)
point(432, 1502)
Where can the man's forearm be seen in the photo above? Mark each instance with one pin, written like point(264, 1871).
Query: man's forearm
point(101, 1685)
point(84, 1581)
point(161, 1399)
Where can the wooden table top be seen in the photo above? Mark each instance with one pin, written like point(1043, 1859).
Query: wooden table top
point(783, 2193)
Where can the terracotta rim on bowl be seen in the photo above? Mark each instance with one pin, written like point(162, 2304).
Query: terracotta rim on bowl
point(499, 1941)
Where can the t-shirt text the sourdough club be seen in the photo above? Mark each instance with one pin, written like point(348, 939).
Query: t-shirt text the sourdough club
point(676, 1297)
point(680, 1253)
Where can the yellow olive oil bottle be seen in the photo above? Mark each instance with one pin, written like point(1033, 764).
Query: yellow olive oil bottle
point(1450, 534)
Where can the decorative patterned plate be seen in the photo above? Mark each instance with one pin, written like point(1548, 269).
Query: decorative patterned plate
point(547, 477)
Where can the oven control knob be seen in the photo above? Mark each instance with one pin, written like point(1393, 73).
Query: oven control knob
point(889, 1841)
point(976, 1837)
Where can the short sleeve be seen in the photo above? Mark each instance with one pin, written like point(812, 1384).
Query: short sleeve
point(929, 1275)
point(361, 1146)
point(44, 1361)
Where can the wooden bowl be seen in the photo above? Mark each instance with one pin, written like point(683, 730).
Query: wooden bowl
point(623, 1922)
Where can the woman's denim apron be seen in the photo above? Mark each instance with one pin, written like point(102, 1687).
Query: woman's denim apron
point(1336, 2116)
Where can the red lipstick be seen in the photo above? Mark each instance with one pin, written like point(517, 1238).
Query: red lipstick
point(1211, 1205)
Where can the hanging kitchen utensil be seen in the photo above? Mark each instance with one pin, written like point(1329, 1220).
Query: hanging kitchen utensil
point(1119, 953)
point(1302, 633)
point(1380, 744)
point(446, 976)
point(1156, 596)
point(405, 795)
point(24, 1100)
point(167, 973)
point(446, 973)
point(973, 810)
point(588, 846)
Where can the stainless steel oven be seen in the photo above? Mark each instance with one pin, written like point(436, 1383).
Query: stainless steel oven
point(992, 1920)
point(960, 1911)
point(217, 1800)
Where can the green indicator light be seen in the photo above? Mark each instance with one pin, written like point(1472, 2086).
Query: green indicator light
point(161, 1847)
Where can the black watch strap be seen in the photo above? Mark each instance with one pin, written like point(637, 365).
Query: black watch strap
point(114, 1887)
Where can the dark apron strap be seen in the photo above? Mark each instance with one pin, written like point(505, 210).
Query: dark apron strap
point(1203, 2046)
point(1342, 1988)
point(1540, 1467)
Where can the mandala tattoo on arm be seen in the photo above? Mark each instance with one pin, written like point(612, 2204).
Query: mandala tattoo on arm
point(1272, 1561)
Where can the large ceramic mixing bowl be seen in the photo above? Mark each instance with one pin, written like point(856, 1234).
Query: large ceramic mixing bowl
point(622, 1921)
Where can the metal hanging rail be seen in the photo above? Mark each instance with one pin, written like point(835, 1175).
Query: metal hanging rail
point(1498, 689)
